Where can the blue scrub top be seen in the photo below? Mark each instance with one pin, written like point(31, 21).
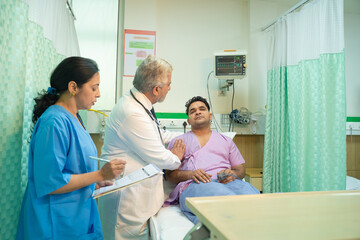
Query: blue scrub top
point(59, 147)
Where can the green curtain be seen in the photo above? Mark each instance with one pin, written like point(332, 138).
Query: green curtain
point(305, 135)
point(276, 145)
point(26, 59)
point(305, 132)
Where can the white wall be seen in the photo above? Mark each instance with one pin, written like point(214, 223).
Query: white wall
point(352, 53)
point(96, 27)
point(187, 34)
point(139, 15)
point(261, 14)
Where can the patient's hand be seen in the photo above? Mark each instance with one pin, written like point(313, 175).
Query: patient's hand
point(200, 175)
point(179, 148)
point(228, 178)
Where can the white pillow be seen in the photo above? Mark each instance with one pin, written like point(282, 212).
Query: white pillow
point(229, 134)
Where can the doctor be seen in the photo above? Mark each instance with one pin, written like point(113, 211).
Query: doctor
point(132, 133)
point(57, 203)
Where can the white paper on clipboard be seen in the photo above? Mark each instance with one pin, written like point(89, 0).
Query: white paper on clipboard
point(137, 176)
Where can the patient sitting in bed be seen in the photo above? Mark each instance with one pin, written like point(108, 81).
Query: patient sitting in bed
point(212, 165)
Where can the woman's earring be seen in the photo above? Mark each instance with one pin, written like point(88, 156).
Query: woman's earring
point(72, 93)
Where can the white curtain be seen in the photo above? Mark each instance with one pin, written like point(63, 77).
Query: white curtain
point(57, 23)
point(315, 29)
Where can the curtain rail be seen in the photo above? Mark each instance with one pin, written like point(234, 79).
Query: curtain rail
point(70, 9)
point(286, 13)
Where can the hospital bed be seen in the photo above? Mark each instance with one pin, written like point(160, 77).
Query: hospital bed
point(171, 223)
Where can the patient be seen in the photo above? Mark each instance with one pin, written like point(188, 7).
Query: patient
point(212, 165)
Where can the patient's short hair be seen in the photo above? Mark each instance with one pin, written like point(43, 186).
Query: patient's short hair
point(196, 99)
point(150, 73)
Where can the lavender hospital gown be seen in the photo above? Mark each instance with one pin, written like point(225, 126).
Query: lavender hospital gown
point(219, 153)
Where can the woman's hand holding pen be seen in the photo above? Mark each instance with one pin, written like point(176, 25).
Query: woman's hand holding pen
point(103, 184)
point(112, 169)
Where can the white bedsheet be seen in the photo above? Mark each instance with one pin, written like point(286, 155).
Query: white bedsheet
point(352, 183)
point(169, 224)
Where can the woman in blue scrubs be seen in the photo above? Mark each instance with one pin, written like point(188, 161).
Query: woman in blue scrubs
point(57, 203)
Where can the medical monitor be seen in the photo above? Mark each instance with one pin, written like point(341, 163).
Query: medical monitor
point(230, 64)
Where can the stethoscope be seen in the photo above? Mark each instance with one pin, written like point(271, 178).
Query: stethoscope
point(150, 115)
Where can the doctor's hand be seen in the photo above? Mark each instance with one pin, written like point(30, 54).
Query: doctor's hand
point(200, 175)
point(228, 178)
point(112, 169)
point(179, 148)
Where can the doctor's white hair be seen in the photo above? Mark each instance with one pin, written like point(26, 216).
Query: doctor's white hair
point(153, 71)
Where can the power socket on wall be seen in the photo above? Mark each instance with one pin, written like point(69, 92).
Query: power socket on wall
point(353, 128)
point(174, 124)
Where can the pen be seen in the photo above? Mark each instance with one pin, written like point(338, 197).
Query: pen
point(99, 159)
point(145, 171)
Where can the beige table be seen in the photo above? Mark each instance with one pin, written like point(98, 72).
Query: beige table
point(310, 215)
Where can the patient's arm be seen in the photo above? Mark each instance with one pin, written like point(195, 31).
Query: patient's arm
point(239, 171)
point(177, 176)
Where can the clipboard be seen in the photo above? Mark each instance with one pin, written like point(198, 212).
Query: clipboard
point(138, 176)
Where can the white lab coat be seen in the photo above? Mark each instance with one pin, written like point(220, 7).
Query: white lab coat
point(133, 136)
